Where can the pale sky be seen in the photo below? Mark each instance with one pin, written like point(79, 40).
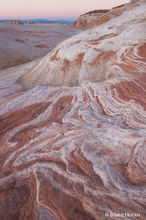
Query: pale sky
point(52, 8)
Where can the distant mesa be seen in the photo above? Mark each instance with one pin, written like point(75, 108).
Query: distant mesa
point(14, 22)
point(37, 21)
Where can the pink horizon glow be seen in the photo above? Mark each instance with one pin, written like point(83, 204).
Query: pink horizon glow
point(60, 9)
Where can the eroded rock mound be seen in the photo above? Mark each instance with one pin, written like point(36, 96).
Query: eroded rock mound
point(73, 125)
point(94, 55)
point(98, 17)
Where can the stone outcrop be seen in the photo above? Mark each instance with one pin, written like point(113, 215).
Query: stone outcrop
point(72, 127)
point(98, 17)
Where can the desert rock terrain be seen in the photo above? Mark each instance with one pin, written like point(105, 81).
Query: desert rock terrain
point(26, 42)
point(73, 127)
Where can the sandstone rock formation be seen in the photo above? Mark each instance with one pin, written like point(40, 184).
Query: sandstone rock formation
point(97, 17)
point(73, 125)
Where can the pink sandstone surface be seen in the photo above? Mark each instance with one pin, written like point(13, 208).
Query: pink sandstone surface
point(73, 126)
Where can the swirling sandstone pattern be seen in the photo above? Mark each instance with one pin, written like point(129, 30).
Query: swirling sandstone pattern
point(73, 125)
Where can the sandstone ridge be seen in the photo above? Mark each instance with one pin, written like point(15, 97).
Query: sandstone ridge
point(97, 17)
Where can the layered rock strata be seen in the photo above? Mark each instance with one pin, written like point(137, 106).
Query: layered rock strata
point(73, 125)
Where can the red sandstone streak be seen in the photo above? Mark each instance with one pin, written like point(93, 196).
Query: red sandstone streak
point(131, 91)
point(14, 119)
